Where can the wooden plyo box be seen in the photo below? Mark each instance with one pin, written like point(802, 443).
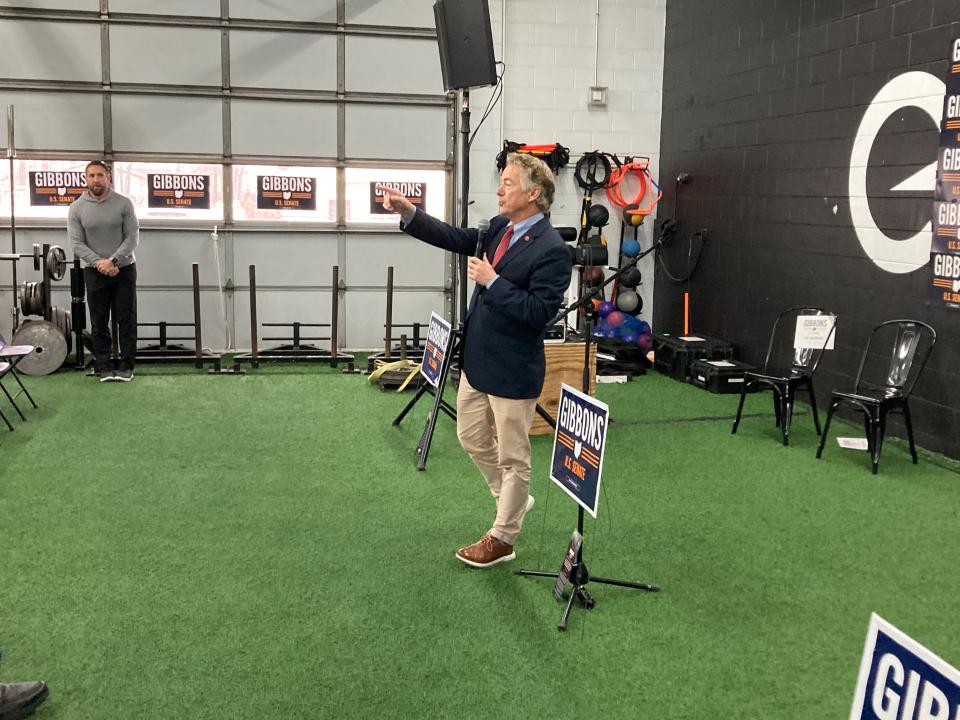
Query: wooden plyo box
point(564, 365)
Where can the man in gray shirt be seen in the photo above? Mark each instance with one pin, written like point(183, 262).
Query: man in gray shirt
point(104, 231)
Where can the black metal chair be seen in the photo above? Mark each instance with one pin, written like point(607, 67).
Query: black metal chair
point(788, 368)
point(10, 355)
point(884, 382)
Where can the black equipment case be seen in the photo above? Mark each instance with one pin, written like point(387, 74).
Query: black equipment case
point(675, 355)
point(719, 376)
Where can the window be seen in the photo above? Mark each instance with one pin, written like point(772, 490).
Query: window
point(426, 188)
point(44, 188)
point(193, 192)
point(171, 191)
point(4, 191)
point(273, 193)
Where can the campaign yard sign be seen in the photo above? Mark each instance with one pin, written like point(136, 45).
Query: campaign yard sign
point(944, 288)
point(563, 577)
point(415, 192)
point(55, 187)
point(279, 192)
point(814, 331)
point(900, 679)
point(186, 192)
point(578, 444)
point(435, 349)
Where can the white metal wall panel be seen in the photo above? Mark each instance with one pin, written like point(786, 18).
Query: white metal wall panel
point(174, 56)
point(154, 305)
point(416, 61)
point(303, 10)
point(49, 51)
point(284, 259)
point(401, 133)
point(167, 124)
point(165, 257)
point(301, 61)
point(53, 121)
point(263, 127)
point(284, 306)
point(202, 8)
point(171, 306)
point(366, 313)
point(60, 297)
point(414, 263)
point(410, 13)
point(88, 5)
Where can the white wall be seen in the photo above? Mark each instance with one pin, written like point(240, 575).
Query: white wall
point(550, 50)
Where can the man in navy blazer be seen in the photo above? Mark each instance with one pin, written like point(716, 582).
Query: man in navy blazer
point(521, 275)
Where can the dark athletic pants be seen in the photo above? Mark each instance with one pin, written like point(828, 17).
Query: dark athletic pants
point(119, 296)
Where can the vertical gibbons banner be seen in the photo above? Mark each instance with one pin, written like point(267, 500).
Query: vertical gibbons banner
point(900, 679)
point(945, 253)
point(578, 444)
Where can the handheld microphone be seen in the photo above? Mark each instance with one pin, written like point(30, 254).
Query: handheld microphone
point(482, 227)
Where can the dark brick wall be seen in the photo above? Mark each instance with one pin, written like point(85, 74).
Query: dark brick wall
point(761, 103)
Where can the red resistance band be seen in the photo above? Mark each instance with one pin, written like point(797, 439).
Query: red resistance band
point(640, 171)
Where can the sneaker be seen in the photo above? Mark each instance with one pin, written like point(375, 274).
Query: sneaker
point(106, 376)
point(485, 552)
point(18, 700)
point(124, 375)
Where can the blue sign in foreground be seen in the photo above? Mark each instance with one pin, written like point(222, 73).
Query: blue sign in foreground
point(435, 348)
point(902, 680)
point(578, 444)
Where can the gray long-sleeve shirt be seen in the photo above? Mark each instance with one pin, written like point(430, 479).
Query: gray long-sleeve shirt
point(105, 229)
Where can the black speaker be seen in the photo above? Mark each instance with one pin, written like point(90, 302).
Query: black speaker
point(466, 43)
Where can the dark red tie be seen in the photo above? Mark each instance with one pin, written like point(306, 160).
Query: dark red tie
point(502, 247)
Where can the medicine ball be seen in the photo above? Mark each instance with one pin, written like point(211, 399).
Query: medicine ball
point(629, 301)
point(631, 278)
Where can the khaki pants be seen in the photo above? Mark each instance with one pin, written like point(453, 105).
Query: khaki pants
point(495, 432)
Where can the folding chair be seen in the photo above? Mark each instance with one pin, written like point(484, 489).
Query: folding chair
point(791, 361)
point(884, 382)
point(11, 355)
point(4, 369)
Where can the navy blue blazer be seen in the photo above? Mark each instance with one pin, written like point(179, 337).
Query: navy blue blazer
point(502, 350)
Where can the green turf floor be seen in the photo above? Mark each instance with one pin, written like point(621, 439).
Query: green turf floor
point(190, 546)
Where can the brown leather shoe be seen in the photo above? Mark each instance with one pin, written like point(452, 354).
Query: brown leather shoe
point(485, 552)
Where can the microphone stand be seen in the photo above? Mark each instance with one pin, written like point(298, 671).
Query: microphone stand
point(464, 205)
point(579, 575)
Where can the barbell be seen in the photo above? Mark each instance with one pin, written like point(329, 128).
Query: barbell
point(55, 263)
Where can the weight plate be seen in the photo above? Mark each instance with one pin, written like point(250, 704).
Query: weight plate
point(37, 298)
point(37, 257)
point(31, 298)
point(49, 347)
point(61, 318)
point(56, 263)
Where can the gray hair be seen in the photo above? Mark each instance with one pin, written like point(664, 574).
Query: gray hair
point(536, 173)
